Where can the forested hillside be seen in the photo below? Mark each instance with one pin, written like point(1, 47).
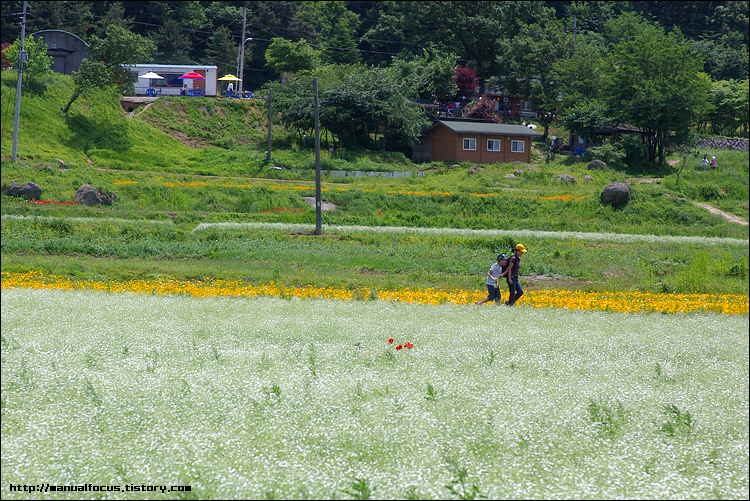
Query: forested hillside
point(372, 33)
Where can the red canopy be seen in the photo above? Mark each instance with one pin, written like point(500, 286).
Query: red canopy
point(193, 76)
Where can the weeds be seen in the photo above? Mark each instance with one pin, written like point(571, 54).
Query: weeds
point(360, 489)
point(677, 421)
point(458, 487)
point(609, 418)
point(489, 358)
point(431, 393)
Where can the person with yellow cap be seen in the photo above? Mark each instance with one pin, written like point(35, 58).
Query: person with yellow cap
point(511, 275)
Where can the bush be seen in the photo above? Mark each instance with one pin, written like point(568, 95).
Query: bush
point(610, 155)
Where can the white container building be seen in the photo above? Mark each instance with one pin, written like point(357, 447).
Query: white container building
point(172, 84)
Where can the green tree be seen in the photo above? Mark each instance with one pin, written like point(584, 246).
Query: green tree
point(286, 57)
point(529, 60)
point(357, 106)
point(581, 76)
point(655, 83)
point(335, 28)
point(474, 30)
point(627, 27)
point(115, 15)
point(222, 51)
point(108, 54)
point(730, 107)
point(584, 117)
point(428, 76)
point(38, 64)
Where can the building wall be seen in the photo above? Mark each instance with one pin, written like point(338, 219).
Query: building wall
point(444, 144)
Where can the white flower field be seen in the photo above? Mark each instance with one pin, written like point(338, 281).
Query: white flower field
point(306, 399)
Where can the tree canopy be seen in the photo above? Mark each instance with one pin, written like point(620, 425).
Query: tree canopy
point(108, 54)
point(655, 83)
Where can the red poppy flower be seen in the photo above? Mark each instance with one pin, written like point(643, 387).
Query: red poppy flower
point(409, 345)
point(390, 341)
point(398, 347)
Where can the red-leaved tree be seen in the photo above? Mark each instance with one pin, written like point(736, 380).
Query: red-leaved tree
point(466, 80)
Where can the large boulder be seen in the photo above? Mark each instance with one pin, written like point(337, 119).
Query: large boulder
point(615, 194)
point(30, 191)
point(597, 165)
point(14, 190)
point(93, 196)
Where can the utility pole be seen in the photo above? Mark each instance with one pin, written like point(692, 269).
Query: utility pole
point(318, 201)
point(241, 53)
point(575, 32)
point(270, 123)
point(22, 58)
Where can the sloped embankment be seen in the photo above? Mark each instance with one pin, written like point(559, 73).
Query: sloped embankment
point(202, 122)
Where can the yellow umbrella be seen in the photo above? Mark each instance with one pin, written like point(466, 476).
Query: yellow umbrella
point(229, 77)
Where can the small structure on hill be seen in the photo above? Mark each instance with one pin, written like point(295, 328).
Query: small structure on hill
point(66, 49)
point(476, 142)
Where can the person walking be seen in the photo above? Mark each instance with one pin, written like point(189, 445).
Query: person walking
point(511, 274)
point(704, 163)
point(713, 162)
point(493, 288)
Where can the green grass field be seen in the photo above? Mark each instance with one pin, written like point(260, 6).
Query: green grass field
point(304, 399)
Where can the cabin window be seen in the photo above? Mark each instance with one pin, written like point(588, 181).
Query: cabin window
point(517, 146)
point(493, 145)
point(470, 144)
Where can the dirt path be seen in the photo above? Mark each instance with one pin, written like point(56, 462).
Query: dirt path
point(710, 208)
point(729, 217)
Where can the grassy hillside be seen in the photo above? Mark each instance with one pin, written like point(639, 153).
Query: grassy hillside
point(201, 160)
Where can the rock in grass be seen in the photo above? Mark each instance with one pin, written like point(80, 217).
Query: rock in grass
point(615, 194)
point(566, 178)
point(597, 165)
point(93, 196)
point(31, 191)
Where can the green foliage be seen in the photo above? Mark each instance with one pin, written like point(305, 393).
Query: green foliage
point(360, 489)
point(429, 75)
point(530, 58)
point(677, 421)
point(609, 154)
point(730, 108)
point(637, 92)
point(608, 418)
point(458, 487)
point(353, 108)
point(119, 47)
point(291, 57)
point(38, 63)
point(584, 118)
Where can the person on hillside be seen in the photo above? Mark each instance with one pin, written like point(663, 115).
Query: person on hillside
point(511, 274)
point(713, 162)
point(493, 288)
point(704, 163)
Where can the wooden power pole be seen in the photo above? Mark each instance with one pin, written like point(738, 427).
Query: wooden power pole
point(318, 200)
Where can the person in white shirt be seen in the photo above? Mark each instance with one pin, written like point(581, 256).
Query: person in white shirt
point(493, 290)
